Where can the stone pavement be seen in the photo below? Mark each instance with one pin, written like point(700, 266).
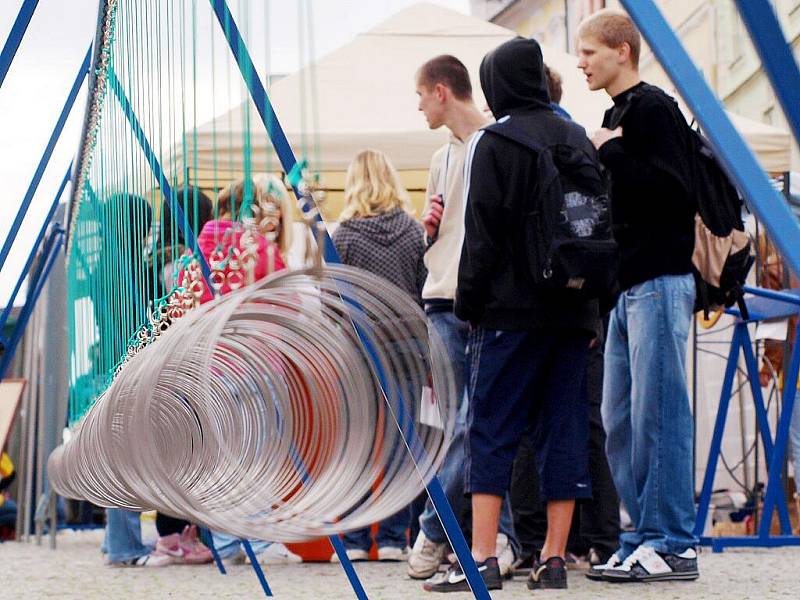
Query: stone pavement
point(75, 571)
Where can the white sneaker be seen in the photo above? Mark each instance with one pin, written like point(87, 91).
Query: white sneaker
point(425, 557)
point(505, 556)
point(354, 554)
point(595, 573)
point(277, 554)
point(392, 554)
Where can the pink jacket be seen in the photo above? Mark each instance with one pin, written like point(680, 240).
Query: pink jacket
point(222, 233)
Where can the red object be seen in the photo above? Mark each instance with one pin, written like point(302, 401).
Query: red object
point(320, 550)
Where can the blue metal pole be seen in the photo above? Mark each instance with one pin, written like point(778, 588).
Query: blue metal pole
point(766, 202)
point(719, 429)
point(37, 176)
point(775, 492)
point(15, 37)
point(32, 255)
point(37, 284)
point(763, 424)
point(267, 113)
point(256, 567)
point(155, 166)
point(288, 162)
point(776, 56)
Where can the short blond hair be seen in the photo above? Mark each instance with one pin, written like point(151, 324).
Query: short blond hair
point(613, 28)
point(372, 187)
point(270, 190)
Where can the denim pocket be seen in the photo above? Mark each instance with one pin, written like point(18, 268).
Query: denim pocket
point(641, 291)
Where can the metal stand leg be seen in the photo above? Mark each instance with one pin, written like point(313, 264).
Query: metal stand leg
point(256, 567)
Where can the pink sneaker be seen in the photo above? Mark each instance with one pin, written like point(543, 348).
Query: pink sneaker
point(170, 544)
point(194, 551)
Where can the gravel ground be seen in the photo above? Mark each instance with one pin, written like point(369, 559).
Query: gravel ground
point(75, 570)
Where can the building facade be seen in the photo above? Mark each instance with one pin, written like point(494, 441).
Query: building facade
point(711, 31)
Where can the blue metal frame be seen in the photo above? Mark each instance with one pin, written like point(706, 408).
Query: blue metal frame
point(158, 172)
point(766, 202)
point(51, 249)
point(289, 162)
point(32, 255)
point(37, 176)
point(776, 56)
point(774, 450)
point(15, 37)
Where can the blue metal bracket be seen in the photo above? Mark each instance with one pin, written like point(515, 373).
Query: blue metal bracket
point(776, 56)
point(37, 177)
point(158, 172)
point(288, 162)
point(15, 37)
point(774, 450)
point(766, 202)
point(32, 255)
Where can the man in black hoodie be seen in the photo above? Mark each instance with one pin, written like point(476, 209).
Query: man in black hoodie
point(528, 346)
point(644, 145)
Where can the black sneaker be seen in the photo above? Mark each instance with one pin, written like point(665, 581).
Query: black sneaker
point(552, 574)
point(646, 564)
point(595, 572)
point(455, 580)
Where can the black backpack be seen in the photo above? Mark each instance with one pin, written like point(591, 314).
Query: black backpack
point(568, 230)
point(723, 253)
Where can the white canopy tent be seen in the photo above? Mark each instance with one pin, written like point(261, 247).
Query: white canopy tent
point(364, 97)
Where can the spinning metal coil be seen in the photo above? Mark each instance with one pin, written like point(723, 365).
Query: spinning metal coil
point(287, 409)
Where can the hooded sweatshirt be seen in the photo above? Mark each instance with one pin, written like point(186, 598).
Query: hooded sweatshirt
point(495, 287)
point(390, 245)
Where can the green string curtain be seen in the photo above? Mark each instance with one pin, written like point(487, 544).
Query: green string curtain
point(171, 61)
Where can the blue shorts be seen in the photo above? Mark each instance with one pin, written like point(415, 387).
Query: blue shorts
point(521, 377)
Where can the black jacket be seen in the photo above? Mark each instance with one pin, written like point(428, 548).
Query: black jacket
point(495, 288)
point(652, 208)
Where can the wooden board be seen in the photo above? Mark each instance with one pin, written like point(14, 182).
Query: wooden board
point(10, 397)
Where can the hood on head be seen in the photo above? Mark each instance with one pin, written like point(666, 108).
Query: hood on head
point(513, 79)
point(385, 229)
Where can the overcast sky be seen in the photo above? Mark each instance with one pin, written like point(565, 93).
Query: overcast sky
point(45, 66)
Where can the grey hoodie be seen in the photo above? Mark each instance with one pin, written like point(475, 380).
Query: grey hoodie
point(390, 245)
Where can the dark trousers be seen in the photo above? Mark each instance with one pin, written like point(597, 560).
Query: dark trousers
point(167, 525)
point(596, 521)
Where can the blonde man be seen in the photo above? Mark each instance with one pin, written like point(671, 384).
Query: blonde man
point(644, 145)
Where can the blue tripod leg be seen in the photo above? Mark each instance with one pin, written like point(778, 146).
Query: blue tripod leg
point(256, 567)
point(205, 534)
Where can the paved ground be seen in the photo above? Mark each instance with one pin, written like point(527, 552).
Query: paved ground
point(75, 570)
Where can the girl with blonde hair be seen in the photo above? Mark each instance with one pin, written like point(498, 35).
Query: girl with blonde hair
point(377, 234)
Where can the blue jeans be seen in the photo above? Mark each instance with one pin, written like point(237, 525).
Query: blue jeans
point(228, 546)
point(123, 539)
point(391, 533)
point(454, 334)
point(794, 440)
point(646, 412)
